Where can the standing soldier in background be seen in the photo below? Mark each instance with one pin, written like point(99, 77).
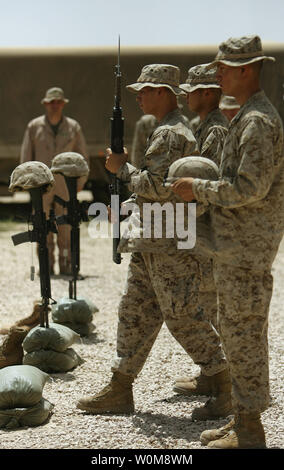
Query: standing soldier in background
point(203, 97)
point(229, 106)
point(45, 137)
point(247, 214)
point(163, 281)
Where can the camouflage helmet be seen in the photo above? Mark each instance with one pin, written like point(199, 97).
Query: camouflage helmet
point(31, 175)
point(70, 164)
point(194, 166)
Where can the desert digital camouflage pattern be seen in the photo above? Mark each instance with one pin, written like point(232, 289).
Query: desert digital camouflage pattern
point(157, 290)
point(200, 76)
point(143, 129)
point(248, 200)
point(240, 51)
point(211, 134)
point(157, 75)
point(244, 296)
point(169, 141)
point(31, 175)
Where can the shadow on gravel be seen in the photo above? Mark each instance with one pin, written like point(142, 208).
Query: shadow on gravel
point(183, 398)
point(163, 426)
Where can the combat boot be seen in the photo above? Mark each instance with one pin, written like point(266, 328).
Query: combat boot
point(11, 350)
point(215, 434)
point(199, 385)
point(116, 398)
point(219, 405)
point(247, 433)
point(34, 319)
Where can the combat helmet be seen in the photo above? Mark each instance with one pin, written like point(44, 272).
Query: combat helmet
point(70, 164)
point(194, 166)
point(31, 175)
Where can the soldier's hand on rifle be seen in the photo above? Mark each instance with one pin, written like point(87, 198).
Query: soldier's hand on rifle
point(115, 160)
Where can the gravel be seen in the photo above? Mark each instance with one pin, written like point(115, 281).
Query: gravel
point(162, 419)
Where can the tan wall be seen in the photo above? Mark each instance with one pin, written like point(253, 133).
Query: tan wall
point(87, 77)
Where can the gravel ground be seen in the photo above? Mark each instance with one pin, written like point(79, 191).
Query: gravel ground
point(162, 419)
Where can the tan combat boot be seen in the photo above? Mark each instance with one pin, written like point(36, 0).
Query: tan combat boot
point(219, 405)
point(116, 398)
point(199, 385)
point(247, 433)
point(215, 434)
point(11, 350)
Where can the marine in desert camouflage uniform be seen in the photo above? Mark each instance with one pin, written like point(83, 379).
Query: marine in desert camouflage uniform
point(163, 282)
point(247, 213)
point(203, 96)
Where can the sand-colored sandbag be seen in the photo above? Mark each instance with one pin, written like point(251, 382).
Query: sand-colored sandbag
point(21, 386)
point(57, 338)
point(82, 329)
point(32, 416)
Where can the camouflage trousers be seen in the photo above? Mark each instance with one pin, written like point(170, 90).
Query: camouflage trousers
point(243, 304)
point(165, 287)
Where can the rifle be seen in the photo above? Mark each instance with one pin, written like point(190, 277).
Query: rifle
point(41, 227)
point(76, 212)
point(117, 122)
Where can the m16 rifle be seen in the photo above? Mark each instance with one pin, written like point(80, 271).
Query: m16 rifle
point(41, 227)
point(117, 125)
point(76, 212)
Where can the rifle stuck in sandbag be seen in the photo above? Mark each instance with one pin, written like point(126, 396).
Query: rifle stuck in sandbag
point(36, 178)
point(72, 166)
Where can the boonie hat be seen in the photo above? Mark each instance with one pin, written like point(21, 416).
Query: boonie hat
point(194, 166)
point(54, 94)
point(30, 175)
point(240, 51)
point(70, 164)
point(200, 76)
point(228, 102)
point(158, 75)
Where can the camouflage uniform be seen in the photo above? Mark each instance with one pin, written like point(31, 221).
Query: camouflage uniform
point(211, 132)
point(143, 129)
point(157, 289)
point(40, 143)
point(248, 225)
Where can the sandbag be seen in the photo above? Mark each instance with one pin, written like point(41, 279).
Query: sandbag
point(57, 337)
point(32, 416)
point(82, 329)
point(70, 310)
point(52, 361)
point(21, 386)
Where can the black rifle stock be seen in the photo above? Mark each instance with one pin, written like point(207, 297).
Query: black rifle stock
point(117, 127)
point(76, 212)
point(41, 227)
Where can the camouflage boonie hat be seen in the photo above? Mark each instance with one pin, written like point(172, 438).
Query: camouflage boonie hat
point(30, 175)
point(240, 51)
point(54, 94)
point(70, 164)
point(158, 75)
point(228, 102)
point(196, 167)
point(200, 76)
